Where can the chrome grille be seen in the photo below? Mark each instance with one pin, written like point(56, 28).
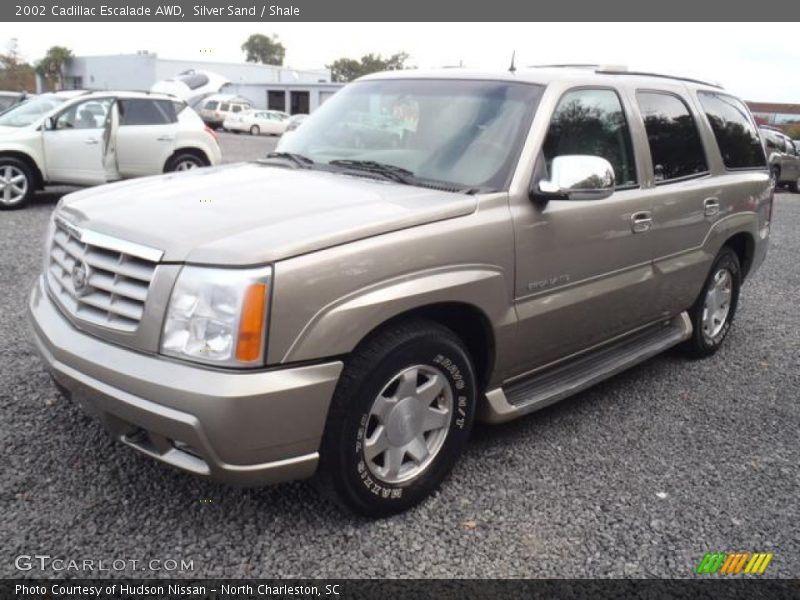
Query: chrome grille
point(97, 282)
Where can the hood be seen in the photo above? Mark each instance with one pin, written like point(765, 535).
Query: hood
point(251, 213)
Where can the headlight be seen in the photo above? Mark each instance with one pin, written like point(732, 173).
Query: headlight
point(218, 316)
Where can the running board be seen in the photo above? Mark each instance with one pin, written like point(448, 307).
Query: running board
point(542, 389)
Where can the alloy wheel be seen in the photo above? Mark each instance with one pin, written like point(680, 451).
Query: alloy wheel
point(717, 304)
point(408, 424)
point(13, 185)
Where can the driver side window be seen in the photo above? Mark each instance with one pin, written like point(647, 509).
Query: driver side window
point(592, 122)
point(89, 114)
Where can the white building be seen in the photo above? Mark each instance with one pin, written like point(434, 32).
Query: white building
point(266, 86)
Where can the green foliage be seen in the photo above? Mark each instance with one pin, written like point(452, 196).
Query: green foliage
point(15, 74)
point(264, 49)
point(51, 67)
point(793, 131)
point(348, 69)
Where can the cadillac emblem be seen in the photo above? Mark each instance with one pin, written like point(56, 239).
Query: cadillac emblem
point(80, 278)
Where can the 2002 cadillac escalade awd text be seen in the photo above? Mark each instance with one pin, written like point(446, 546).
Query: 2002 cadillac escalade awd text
point(426, 249)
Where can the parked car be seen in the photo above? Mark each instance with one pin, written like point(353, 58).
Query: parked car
point(295, 121)
point(215, 109)
point(784, 157)
point(84, 138)
point(9, 99)
point(257, 122)
point(346, 313)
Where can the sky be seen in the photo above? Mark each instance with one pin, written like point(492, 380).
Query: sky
point(759, 62)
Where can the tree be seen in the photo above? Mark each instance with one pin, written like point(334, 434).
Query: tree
point(15, 73)
point(264, 49)
point(51, 67)
point(348, 69)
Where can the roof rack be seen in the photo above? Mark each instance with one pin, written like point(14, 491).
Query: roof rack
point(623, 70)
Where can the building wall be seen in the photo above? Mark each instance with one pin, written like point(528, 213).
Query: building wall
point(123, 72)
point(257, 93)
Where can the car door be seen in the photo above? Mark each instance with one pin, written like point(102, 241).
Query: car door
point(146, 136)
point(792, 159)
point(584, 272)
point(271, 123)
point(75, 143)
point(685, 197)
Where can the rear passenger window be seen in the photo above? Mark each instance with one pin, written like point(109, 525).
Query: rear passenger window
point(592, 122)
point(236, 108)
point(675, 144)
point(141, 111)
point(224, 107)
point(735, 131)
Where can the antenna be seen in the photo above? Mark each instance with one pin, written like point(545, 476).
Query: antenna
point(512, 68)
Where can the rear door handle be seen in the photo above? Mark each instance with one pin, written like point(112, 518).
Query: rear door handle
point(92, 141)
point(641, 221)
point(165, 138)
point(710, 207)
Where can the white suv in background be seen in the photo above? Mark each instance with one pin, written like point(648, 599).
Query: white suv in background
point(215, 109)
point(98, 137)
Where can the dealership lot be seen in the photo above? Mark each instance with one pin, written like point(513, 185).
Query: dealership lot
point(639, 476)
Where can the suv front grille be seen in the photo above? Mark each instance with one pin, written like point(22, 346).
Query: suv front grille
point(97, 282)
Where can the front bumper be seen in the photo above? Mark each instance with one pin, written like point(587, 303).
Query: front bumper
point(241, 427)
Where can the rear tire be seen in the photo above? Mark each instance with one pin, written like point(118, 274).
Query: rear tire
point(399, 419)
point(184, 161)
point(794, 187)
point(16, 183)
point(713, 311)
point(254, 130)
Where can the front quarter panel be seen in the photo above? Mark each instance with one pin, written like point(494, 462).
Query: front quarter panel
point(326, 302)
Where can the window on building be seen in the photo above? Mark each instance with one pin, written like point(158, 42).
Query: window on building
point(736, 134)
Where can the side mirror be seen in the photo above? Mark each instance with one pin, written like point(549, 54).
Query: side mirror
point(577, 177)
point(49, 124)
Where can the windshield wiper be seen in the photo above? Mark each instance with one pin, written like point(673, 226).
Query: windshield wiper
point(298, 159)
point(395, 173)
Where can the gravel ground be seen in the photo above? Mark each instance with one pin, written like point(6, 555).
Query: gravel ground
point(639, 476)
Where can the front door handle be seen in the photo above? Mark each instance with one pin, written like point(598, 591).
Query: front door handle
point(165, 138)
point(641, 221)
point(92, 141)
point(710, 207)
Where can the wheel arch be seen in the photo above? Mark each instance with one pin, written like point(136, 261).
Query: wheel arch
point(193, 150)
point(470, 324)
point(744, 246)
point(28, 160)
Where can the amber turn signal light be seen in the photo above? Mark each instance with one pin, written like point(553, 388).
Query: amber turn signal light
point(251, 324)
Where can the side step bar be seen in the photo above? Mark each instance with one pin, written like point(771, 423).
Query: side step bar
point(546, 387)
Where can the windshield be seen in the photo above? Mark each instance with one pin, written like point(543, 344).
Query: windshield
point(30, 111)
point(459, 133)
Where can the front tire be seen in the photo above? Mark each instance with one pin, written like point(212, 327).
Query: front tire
point(254, 130)
point(16, 183)
point(399, 419)
point(713, 311)
point(794, 187)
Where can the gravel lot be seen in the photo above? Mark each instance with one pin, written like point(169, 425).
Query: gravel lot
point(639, 476)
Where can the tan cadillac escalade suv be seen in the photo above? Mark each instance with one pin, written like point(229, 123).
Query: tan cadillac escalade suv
point(426, 250)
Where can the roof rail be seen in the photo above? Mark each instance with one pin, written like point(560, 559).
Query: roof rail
point(623, 70)
point(613, 71)
point(565, 66)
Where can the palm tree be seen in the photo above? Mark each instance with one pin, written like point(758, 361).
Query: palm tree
point(51, 67)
